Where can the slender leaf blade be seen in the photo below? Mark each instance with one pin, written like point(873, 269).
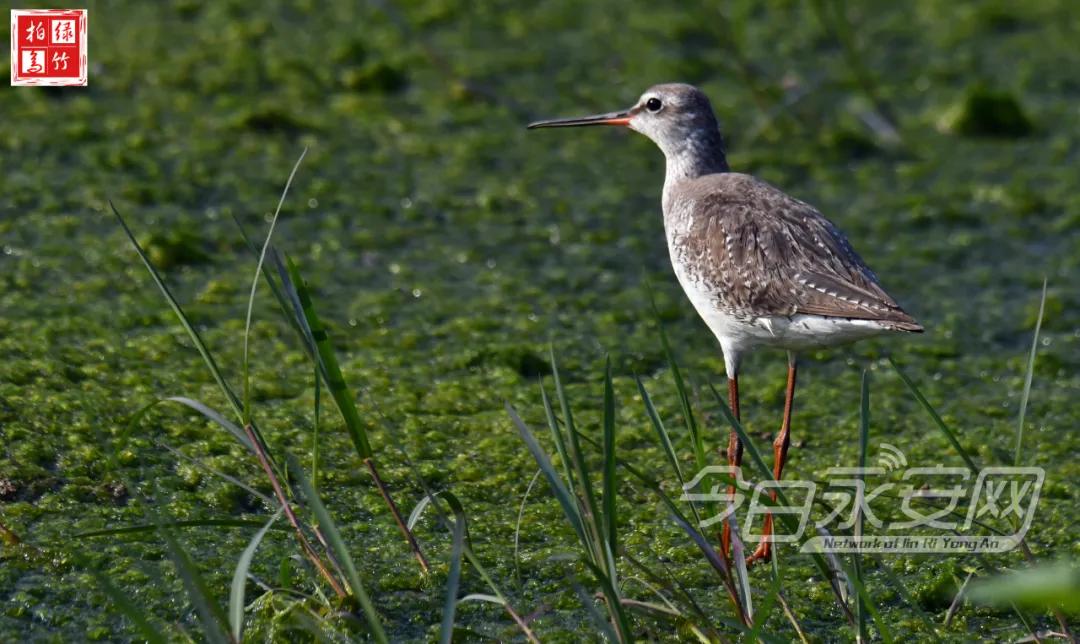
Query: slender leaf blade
point(557, 439)
point(123, 602)
point(239, 580)
point(864, 440)
point(593, 522)
point(255, 286)
point(614, 603)
point(453, 578)
point(609, 481)
point(211, 618)
point(1025, 396)
point(339, 390)
point(174, 304)
point(696, 439)
point(562, 494)
point(949, 434)
point(229, 426)
point(340, 550)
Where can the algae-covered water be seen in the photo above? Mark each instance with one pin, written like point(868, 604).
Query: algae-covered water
point(447, 247)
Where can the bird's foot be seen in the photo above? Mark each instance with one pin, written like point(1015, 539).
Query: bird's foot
point(762, 553)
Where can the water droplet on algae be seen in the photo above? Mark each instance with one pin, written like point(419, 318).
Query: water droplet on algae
point(313, 203)
point(395, 268)
point(417, 292)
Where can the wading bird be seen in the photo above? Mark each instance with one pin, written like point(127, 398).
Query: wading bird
point(761, 267)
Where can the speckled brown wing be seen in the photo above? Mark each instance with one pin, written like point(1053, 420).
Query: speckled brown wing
point(771, 254)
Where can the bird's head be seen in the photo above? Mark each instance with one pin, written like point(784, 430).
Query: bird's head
point(673, 115)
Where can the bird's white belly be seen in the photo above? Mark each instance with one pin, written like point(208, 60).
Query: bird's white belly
point(739, 334)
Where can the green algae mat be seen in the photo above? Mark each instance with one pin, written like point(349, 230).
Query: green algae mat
point(449, 252)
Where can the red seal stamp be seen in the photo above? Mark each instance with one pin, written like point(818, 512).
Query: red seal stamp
point(48, 47)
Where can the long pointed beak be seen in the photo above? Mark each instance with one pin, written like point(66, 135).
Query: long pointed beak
point(611, 118)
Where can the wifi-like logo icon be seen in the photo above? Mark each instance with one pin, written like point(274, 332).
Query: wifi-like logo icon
point(891, 458)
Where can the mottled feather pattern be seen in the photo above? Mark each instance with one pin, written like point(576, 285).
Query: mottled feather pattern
point(768, 254)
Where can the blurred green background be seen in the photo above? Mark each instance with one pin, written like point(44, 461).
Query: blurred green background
point(447, 247)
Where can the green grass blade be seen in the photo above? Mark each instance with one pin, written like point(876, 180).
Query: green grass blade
point(481, 597)
point(672, 584)
point(193, 334)
point(1026, 395)
point(517, 526)
point(453, 578)
point(335, 382)
point(868, 603)
point(864, 440)
point(562, 495)
point(239, 580)
point(560, 443)
point(610, 519)
point(778, 584)
point(1048, 585)
point(270, 503)
point(949, 434)
point(255, 285)
point(315, 432)
point(211, 618)
point(696, 439)
point(206, 411)
point(715, 560)
point(313, 626)
point(614, 603)
point(661, 431)
point(196, 339)
point(896, 584)
point(147, 630)
point(604, 627)
point(467, 551)
point(700, 541)
point(151, 527)
point(294, 310)
point(665, 441)
point(338, 547)
point(417, 512)
point(742, 575)
point(577, 458)
point(593, 522)
point(229, 426)
point(761, 616)
point(283, 302)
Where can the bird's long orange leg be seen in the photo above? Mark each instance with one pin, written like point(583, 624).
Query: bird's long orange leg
point(734, 454)
point(780, 448)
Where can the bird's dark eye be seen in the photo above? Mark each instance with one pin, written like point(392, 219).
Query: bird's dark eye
point(653, 105)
